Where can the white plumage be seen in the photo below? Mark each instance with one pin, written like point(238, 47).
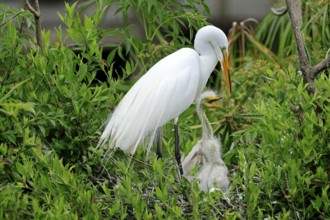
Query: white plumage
point(212, 172)
point(165, 91)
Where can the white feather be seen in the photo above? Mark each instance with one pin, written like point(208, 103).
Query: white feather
point(164, 92)
point(153, 100)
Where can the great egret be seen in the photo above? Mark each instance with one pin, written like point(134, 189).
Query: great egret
point(212, 172)
point(165, 91)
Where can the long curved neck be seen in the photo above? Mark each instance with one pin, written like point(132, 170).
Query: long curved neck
point(208, 61)
point(206, 126)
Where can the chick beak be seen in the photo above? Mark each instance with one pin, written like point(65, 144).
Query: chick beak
point(210, 101)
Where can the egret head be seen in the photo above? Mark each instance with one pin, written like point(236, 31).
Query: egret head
point(208, 98)
point(212, 38)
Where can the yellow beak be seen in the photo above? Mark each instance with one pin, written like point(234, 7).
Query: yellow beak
point(212, 105)
point(225, 69)
point(210, 101)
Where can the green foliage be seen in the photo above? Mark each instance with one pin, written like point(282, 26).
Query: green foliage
point(282, 155)
point(275, 135)
point(38, 185)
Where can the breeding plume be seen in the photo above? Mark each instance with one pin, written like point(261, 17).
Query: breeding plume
point(165, 91)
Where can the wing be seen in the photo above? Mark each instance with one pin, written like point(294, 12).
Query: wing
point(192, 159)
point(162, 94)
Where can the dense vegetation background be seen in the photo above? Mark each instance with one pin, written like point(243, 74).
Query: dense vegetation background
point(54, 100)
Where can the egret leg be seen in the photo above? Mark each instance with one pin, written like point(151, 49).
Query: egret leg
point(159, 143)
point(177, 150)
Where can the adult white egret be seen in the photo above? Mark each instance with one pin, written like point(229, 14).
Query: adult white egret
point(212, 172)
point(165, 91)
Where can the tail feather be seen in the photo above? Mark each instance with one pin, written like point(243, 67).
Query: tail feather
point(134, 118)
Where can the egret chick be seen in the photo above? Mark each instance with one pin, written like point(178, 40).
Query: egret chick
point(206, 154)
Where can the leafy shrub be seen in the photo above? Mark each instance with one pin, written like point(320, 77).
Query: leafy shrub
point(281, 156)
point(275, 135)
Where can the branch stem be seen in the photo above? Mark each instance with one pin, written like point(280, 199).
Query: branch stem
point(309, 72)
point(36, 12)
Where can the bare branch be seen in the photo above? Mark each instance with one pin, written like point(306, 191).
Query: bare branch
point(36, 2)
point(309, 73)
point(31, 9)
point(324, 64)
point(279, 11)
point(294, 12)
point(36, 12)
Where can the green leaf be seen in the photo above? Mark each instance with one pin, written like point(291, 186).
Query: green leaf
point(16, 86)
